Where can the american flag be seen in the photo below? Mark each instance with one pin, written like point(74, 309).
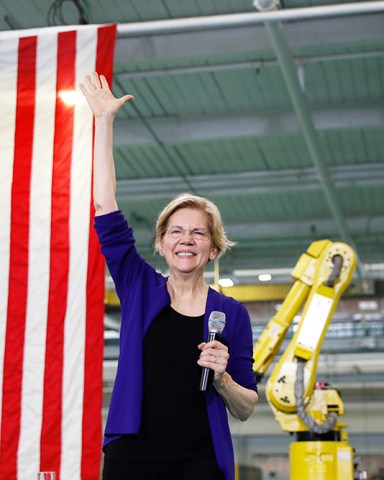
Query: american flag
point(51, 270)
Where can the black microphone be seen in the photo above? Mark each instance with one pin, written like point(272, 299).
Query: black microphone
point(216, 324)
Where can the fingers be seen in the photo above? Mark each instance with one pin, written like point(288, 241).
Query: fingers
point(89, 88)
point(104, 82)
point(215, 344)
point(127, 98)
point(83, 89)
point(95, 83)
point(92, 82)
point(214, 355)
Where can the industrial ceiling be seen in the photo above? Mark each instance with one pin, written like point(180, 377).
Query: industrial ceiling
point(275, 115)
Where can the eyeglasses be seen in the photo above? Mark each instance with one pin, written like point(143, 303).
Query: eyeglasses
point(195, 233)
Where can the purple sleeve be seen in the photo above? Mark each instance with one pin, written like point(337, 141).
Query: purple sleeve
point(241, 350)
point(118, 247)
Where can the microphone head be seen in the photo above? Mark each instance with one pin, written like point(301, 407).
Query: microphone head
point(216, 322)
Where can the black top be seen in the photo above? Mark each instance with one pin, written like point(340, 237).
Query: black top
point(174, 415)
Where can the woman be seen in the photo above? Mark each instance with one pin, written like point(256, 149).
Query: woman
point(160, 426)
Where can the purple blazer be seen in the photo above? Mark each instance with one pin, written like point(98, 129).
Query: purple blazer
point(143, 294)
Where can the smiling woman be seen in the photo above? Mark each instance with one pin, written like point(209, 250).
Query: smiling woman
point(162, 426)
point(215, 227)
point(187, 250)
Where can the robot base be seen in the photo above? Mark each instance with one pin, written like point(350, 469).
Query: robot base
point(321, 460)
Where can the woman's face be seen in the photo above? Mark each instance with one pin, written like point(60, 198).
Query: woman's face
point(187, 243)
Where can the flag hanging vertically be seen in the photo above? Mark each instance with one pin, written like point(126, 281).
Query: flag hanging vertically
point(51, 270)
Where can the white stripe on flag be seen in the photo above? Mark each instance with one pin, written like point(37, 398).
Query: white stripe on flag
point(74, 337)
point(8, 80)
point(39, 257)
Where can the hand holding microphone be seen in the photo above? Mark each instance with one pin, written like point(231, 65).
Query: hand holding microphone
point(216, 324)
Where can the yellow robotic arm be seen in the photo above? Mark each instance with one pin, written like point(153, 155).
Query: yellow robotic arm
point(321, 452)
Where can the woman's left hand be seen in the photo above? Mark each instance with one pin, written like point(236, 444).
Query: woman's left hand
point(214, 355)
point(239, 400)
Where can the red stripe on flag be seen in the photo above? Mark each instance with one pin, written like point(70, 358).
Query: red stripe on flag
point(18, 274)
point(59, 262)
point(93, 387)
point(105, 51)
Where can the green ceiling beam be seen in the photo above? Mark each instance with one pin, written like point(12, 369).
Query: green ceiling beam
point(316, 150)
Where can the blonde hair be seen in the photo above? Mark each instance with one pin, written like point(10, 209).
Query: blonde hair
point(187, 200)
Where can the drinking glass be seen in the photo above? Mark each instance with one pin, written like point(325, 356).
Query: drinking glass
point(46, 476)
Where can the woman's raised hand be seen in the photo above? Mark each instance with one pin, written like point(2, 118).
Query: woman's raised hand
point(99, 96)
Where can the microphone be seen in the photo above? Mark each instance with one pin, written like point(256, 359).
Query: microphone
point(216, 324)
